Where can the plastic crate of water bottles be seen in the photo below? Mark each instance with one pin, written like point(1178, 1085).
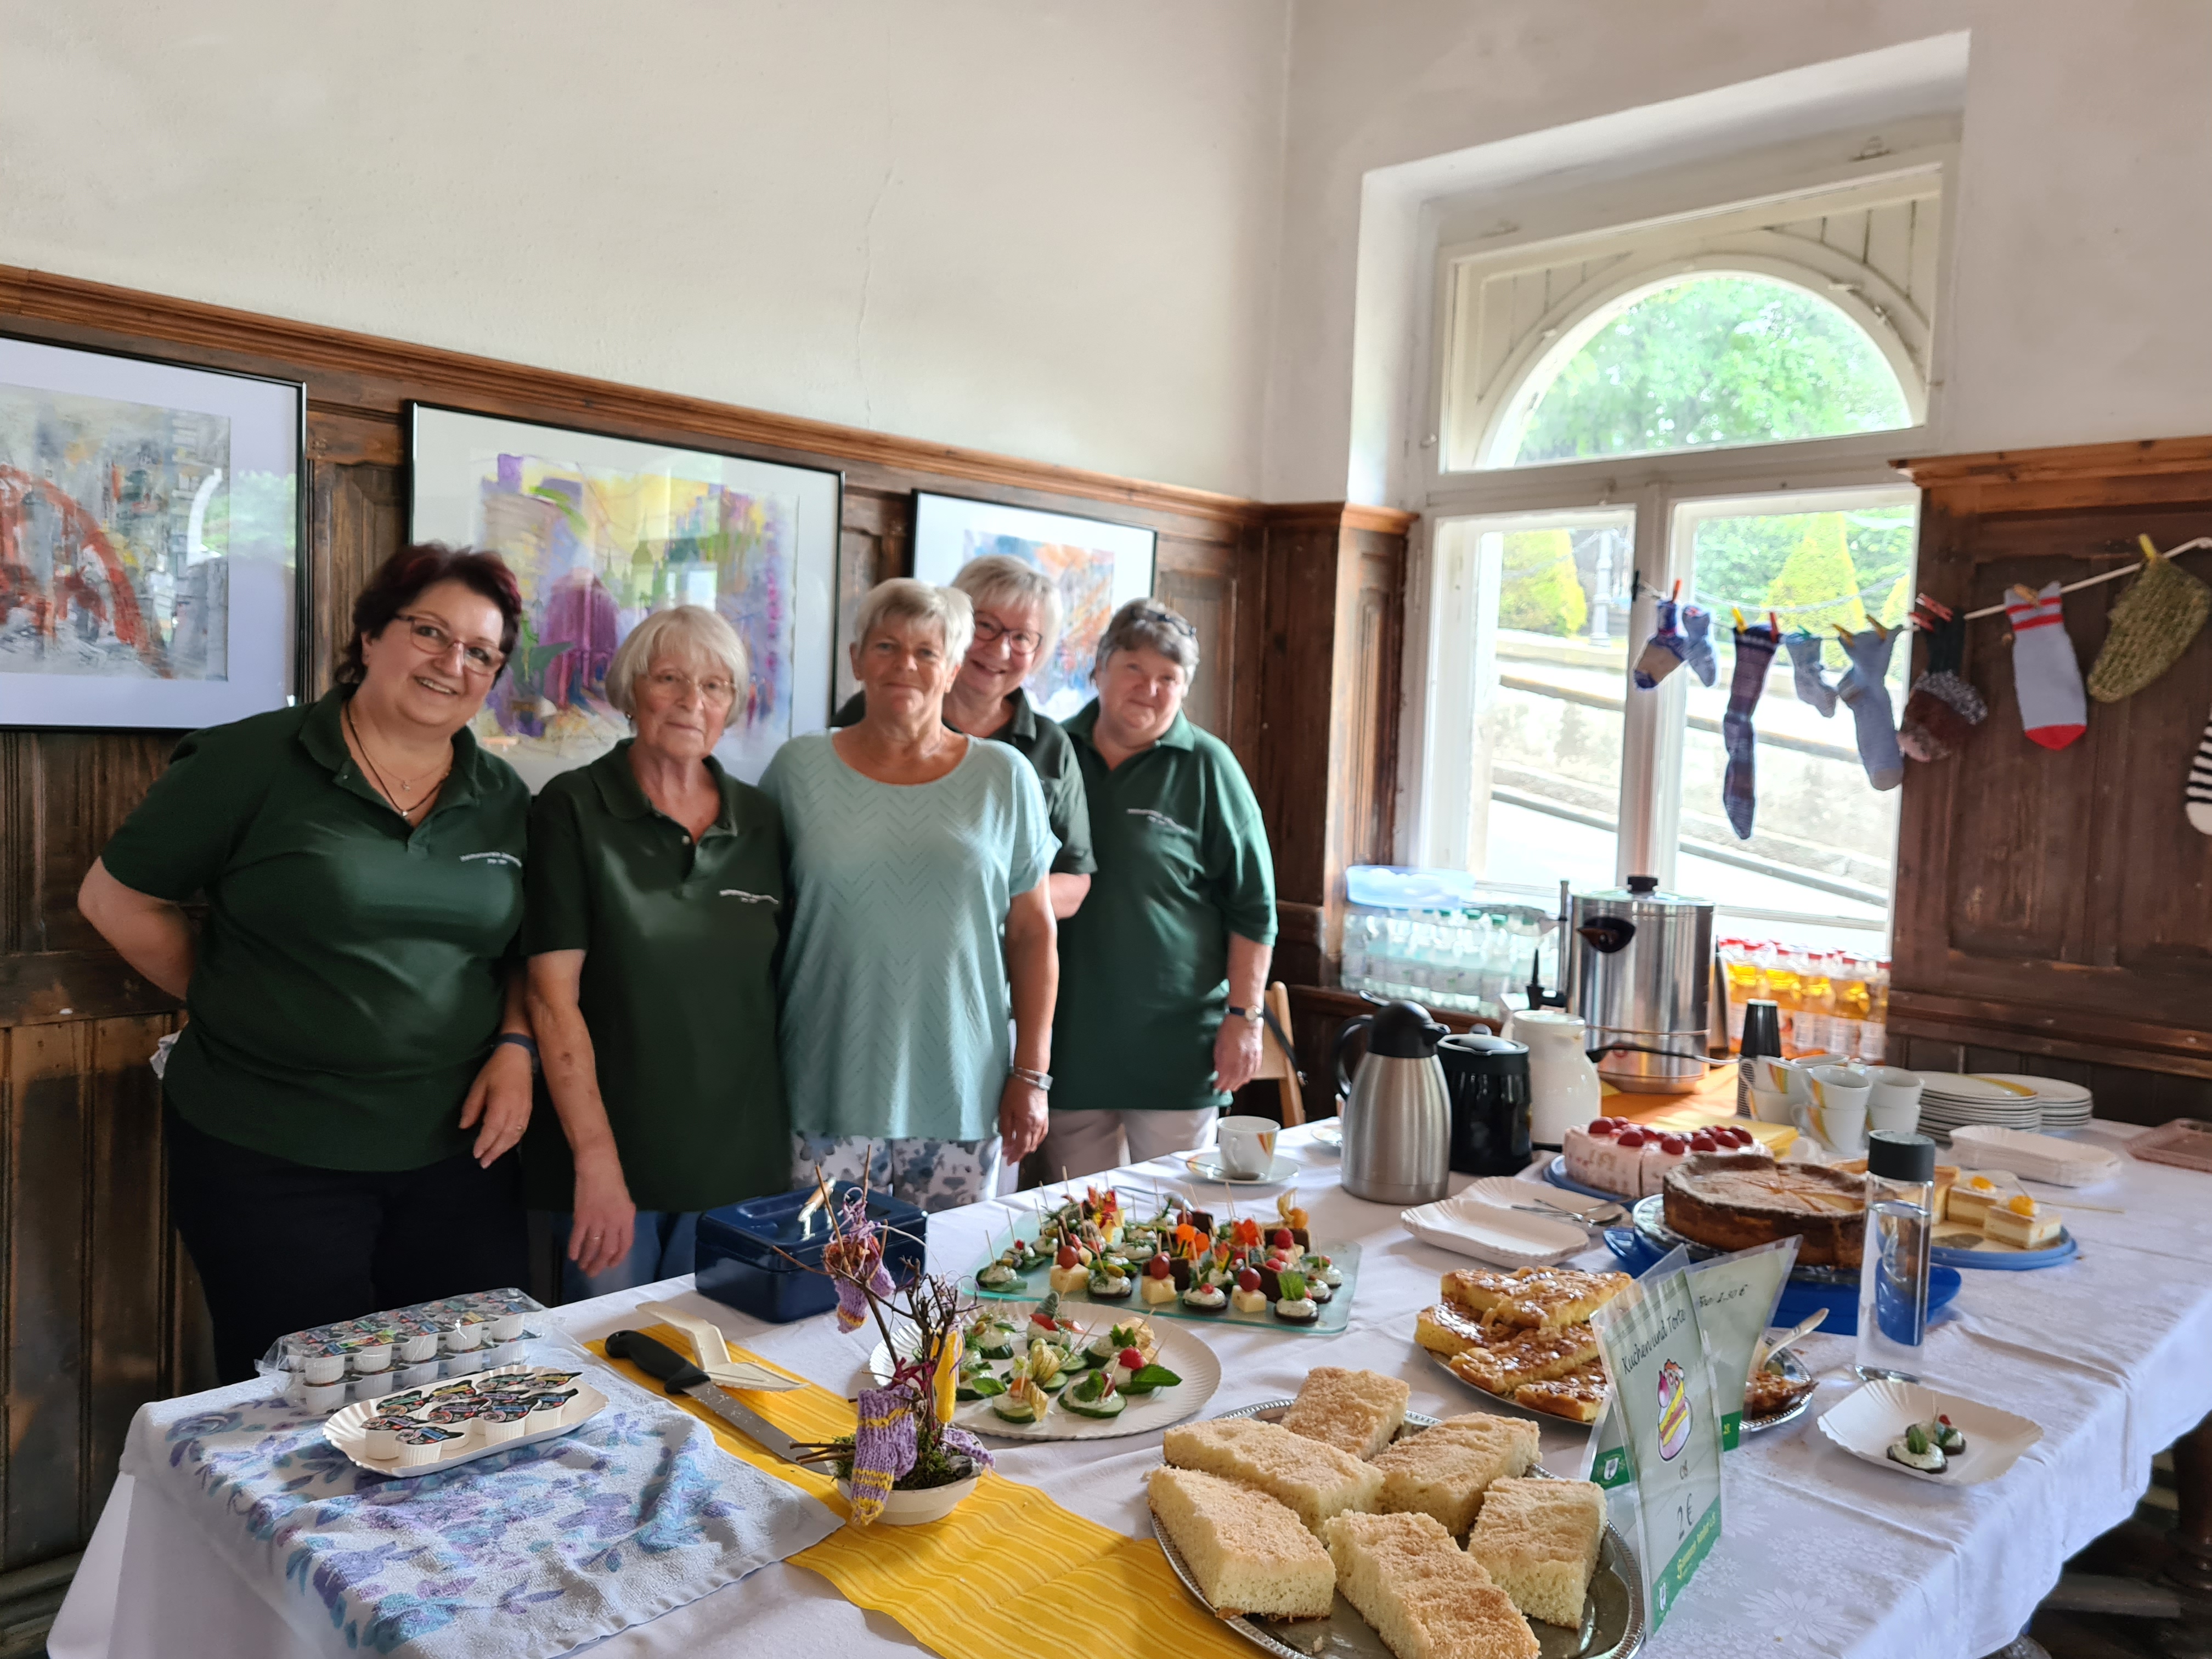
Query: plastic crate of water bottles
point(1443, 939)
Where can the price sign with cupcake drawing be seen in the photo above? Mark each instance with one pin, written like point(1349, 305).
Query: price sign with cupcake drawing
point(1658, 1452)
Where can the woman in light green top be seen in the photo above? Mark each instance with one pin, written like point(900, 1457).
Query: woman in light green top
point(919, 895)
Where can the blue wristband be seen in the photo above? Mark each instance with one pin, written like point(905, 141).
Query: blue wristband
point(528, 1045)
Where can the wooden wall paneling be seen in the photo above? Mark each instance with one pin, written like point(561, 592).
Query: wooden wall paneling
point(358, 515)
point(46, 1134)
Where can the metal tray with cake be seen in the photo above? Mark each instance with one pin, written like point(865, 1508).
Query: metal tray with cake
point(1612, 1622)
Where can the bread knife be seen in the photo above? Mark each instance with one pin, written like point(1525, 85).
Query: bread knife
point(658, 1360)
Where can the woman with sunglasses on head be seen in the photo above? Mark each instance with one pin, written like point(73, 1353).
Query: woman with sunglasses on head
point(339, 1109)
point(1017, 617)
point(1163, 971)
point(656, 913)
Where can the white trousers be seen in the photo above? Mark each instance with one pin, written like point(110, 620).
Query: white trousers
point(1086, 1142)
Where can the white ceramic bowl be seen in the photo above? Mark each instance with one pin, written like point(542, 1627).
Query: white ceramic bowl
point(915, 1509)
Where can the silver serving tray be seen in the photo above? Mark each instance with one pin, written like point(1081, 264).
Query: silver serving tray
point(1612, 1612)
point(1649, 1217)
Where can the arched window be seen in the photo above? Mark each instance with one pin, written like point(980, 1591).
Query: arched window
point(1708, 359)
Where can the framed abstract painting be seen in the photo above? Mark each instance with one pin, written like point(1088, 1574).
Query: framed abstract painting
point(151, 516)
point(1099, 567)
point(601, 532)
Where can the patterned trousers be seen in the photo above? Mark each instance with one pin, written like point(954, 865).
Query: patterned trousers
point(930, 1175)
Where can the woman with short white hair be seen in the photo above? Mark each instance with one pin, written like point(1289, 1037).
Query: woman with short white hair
point(920, 858)
point(1018, 620)
point(655, 910)
point(1164, 968)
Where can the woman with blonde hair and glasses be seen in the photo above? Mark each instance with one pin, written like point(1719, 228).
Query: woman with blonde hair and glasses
point(1017, 618)
point(656, 911)
point(920, 859)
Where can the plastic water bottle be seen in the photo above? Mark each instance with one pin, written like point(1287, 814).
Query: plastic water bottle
point(1894, 1276)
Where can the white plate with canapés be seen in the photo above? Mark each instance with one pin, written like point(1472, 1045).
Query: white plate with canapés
point(1065, 1413)
point(1874, 1418)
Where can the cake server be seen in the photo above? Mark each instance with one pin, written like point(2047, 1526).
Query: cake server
point(658, 1360)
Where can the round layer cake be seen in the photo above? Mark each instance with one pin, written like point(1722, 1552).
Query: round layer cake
point(1731, 1202)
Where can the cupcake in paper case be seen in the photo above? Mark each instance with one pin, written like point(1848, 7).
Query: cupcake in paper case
point(425, 1443)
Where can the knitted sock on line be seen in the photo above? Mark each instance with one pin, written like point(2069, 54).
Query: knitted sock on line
point(1663, 652)
point(1943, 710)
point(1813, 687)
point(1754, 650)
point(2197, 794)
point(1697, 643)
point(1865, 690)
point(2046, 675)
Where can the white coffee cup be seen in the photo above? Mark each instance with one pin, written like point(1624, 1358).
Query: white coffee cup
point(1770, 1106)
point(1894, 1102)
point(1247, 1146)
point(1835, 1115)
point(1789, 1075)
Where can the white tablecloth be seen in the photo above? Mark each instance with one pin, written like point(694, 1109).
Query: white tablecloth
point(1820, 1553)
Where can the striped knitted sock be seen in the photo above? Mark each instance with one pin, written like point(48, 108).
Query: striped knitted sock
point(2198, 793)
point(1754, 650)
point(1663, 652)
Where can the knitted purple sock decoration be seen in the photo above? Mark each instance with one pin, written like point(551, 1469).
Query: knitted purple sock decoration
point(1754, 650)
point(883, 1448)
point(1662, 652)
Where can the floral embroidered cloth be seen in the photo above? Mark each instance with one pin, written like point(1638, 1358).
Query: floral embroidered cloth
point(520, 1555)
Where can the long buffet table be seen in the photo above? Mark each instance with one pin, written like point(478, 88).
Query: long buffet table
point(2111, 1353)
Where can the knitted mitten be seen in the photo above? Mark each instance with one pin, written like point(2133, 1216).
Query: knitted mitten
point(2149, 629)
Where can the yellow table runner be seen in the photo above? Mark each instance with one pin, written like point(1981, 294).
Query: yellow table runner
point(971, 1586)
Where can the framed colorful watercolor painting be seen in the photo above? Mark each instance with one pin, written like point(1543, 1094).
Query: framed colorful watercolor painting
point(151, 516)
point(1099, 566)
point(601, 532)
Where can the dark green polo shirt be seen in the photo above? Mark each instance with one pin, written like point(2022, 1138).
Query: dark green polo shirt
point(1042, 741)
point(1143, 965)
point(679, 987)
point(349, 980)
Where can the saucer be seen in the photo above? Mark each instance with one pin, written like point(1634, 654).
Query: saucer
point(1207, 1166)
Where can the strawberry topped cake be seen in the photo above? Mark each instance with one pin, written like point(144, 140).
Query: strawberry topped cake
point(1616, 1156)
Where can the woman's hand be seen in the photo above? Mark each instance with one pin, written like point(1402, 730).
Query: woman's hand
point(1236, 1054)
point(1023, 1115)
point(500, 1097)
point(605, 1223)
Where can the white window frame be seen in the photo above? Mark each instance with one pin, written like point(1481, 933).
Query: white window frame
point(1447, 653)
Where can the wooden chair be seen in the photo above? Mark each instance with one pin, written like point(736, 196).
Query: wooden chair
point(1277, 1062)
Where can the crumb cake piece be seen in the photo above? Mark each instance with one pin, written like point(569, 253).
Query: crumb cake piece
point(1506, 1357)
point(1447, 1330)
point(1249, 1554)
point(1444, 1470)
point(1578, 1396)
point(1538, 1298)
point(1426, 1597)
point(1355, 1412)
point(1315, 1480)
point(1539, 1540)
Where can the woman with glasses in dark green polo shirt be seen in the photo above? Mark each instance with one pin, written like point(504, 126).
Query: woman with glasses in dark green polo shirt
point(1162, 971)
point(656, 912)
point(357, 1065)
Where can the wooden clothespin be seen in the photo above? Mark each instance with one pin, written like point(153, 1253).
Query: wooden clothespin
point(1842, 633)
point(1774, 624)
point(2027, 595)
point(1738, 615)
point(1677, 593)
point(2150, 551)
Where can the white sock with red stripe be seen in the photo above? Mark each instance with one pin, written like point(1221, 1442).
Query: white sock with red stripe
point(2046, 673)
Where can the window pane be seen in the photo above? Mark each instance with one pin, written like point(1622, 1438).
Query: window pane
point(1703, 361)
point(1551, 722)
point(1824, 840)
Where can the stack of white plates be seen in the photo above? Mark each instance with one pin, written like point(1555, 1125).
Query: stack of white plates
point(2065, 1105)
point(1952, 1100)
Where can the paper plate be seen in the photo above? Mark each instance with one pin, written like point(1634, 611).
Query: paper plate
point(1867, 1421)
point(345, 1429)
point(1180, 1351)
point(1469, 1225)
point(1509, 1190)
point(1612, 1611)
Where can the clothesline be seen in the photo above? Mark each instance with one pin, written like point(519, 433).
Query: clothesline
point(2091, 581)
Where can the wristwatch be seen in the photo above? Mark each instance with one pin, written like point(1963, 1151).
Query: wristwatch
point(1041, 1081)
point(1255, 1015)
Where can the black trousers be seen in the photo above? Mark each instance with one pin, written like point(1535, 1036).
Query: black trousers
point(281, 1246)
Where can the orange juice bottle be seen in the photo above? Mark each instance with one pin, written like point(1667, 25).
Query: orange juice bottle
point(1782, 982)
point(1740, 973)
point(1816, 1002)
point(1852, 1002)
point(1873, 1043)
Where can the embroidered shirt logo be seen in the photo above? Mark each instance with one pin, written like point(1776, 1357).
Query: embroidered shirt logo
point(750, 898)
point(1160, 819)
point(491, 858)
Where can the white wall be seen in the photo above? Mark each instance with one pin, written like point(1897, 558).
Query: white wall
point(1039, 227)
point(2075, 308)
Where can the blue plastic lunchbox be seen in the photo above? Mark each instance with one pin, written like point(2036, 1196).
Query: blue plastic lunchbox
point(738, 1264)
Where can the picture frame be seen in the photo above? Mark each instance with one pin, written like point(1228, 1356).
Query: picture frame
point(152, 517)
point(601, 530)
point(1100, 565)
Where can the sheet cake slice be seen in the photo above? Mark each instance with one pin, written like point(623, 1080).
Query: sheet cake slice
point(1424, 1596)
point(1537, 1298)
point(1315, 1480)
point(1443, 1471)
point(1355, 1412)
point(1249, 1554)
point(1538, 1539)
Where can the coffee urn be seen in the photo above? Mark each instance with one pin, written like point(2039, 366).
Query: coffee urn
point(1641, 977)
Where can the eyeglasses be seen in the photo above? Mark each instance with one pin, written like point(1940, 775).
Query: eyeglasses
point(1020, 641)
point(432, 641)
point(1160, 613)
point(671, 683)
